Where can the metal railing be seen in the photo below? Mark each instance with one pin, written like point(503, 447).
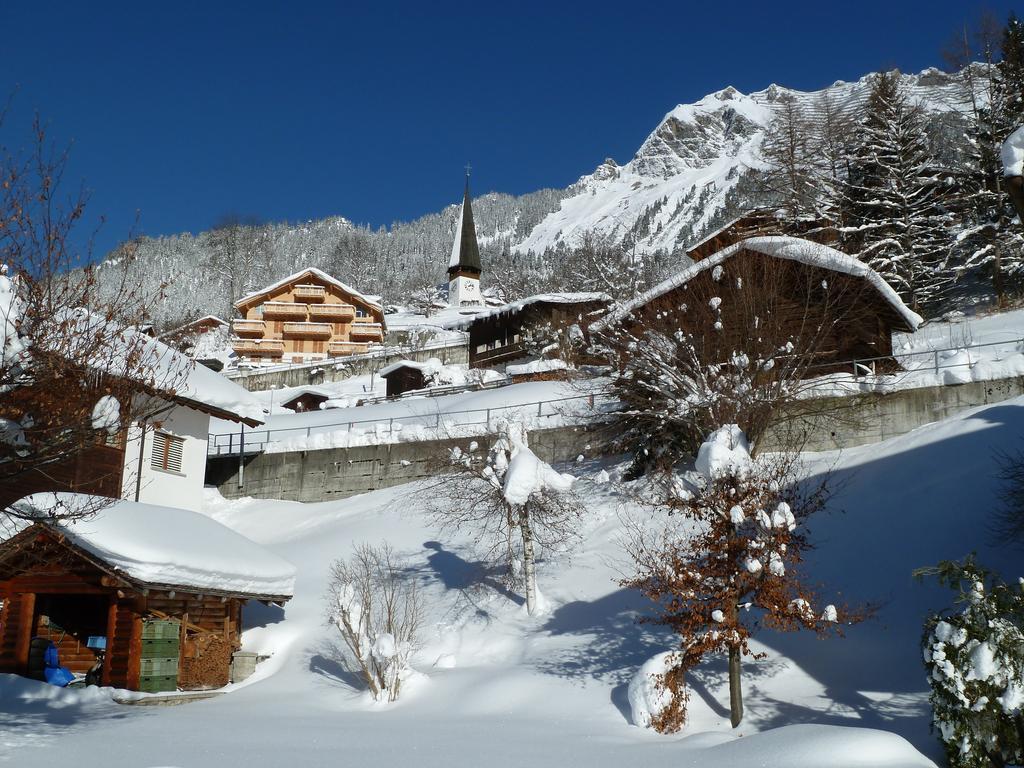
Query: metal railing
point(255, 440)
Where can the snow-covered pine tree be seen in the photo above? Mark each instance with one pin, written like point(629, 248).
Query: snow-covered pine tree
point(897, 201)
point(790, 177)
point(975, 662)
point(989, 246)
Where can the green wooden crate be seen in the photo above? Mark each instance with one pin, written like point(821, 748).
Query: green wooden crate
point(158, 667)
point(158, 683)
point(160, 629)
point(160, 649)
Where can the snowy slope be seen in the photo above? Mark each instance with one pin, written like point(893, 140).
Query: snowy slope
point(684, 171)
point(551, 691)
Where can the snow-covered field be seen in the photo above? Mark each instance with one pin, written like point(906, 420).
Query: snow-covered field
point(551, 690)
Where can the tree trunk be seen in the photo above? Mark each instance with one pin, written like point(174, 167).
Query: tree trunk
point(529, 566)
point(735, 692)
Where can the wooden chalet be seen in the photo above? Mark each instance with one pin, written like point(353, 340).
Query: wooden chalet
point(162, 610)
point(306, 316)
point(776, 288)
point(761, 224)
point(1015, 186)
point(498, 336)
point(151, 457)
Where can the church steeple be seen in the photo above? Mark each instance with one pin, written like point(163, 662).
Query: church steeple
point(464, 266)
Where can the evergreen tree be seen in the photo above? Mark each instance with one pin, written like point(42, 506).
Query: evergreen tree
point(897, 201)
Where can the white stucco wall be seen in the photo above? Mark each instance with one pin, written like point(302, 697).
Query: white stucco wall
point(169, 489)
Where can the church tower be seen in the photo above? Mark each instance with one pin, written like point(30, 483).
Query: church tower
point(464, 265)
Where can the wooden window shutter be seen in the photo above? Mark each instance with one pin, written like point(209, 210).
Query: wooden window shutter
point(167, 452)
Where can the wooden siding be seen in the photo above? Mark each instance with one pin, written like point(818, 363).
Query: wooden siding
point(334, 318)
point(95, 470)
point(498, 339)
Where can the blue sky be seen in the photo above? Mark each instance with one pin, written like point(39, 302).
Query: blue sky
point(181, 113)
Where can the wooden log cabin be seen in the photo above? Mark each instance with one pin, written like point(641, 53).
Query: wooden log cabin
point(168, 605)
point(781, 290)
point(498, 336)
point(762, 223)
point(303, 317)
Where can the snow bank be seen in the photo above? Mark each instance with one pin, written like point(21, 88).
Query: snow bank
point(1013, 154)
point(725, 453)
point(646, 698)
point(536, 366)
point(167, 546)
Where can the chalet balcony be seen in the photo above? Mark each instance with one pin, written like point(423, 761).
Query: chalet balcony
point(308, 330)
point(310, 292)
point(337, 313)
point(343, 348)
point(285, 309)
point(258, 347)
point(249, 327)
point(367, 331)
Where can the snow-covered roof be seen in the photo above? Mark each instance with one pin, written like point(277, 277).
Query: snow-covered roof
point(191, 323)
point(319, 273)
point(167, 547)
point(1013, 154)
point(541, 298)
point(154, 365)
point(433, 364)
point(780, 247)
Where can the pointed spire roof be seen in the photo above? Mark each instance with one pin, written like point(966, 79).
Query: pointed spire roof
point(465, 251)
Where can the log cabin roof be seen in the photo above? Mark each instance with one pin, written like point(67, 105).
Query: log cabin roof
point(779, 247)
point(551, 299)
point(305, 273)
point(153, 547)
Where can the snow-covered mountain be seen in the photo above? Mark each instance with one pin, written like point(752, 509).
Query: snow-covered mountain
point(682, 177)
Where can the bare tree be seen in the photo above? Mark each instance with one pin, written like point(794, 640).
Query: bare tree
point(510, 502)
point(67, 347)
point(376, 607)
point(727, 560)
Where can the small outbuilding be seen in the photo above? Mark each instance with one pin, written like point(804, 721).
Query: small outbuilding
point(306, 399)
point(405, 376)
point(147, 598)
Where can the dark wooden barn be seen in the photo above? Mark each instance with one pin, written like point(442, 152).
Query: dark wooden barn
point(498, 336)
point(161, 631)
point(775, 291)
point(403, 376)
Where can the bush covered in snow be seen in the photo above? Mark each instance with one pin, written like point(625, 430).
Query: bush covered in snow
point(975, 661)
point(377, 610)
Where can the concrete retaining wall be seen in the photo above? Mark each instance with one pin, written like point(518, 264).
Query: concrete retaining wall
point(339, 370)
point(843, 422)
point(336, 473)
point(823, 425)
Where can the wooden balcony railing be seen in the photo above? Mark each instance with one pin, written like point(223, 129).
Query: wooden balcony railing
point(310, 292)
point(285, 309)
point(308, 330)
point(249, 327)
point(334, 312)
point(373, 331)
point(342, 348)
point(257, 346)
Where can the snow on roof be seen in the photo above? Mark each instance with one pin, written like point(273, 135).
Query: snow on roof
point(453, 261)
point(155, 365)
point(317, 273)
point(1013, 154)
point(433, 364)
point(540, 298)
point(168, 547)
point(792, 248)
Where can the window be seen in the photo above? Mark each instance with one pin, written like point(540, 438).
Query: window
point(361, 312)
point(167, 452)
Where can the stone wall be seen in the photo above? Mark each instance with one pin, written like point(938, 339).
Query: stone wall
point(336, 473)
point(822, 425)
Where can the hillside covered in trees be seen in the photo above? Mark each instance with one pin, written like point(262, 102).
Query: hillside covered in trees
point(904, 167)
